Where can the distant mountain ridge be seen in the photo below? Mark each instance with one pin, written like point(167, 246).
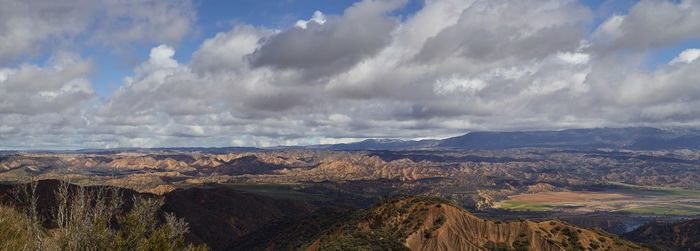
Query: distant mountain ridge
point(385, 144)
point(634, 138)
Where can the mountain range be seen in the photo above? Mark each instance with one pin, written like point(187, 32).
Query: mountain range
point(632, 138)
point(635, 138)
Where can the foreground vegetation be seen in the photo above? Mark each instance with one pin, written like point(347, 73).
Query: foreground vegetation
point(89, 219)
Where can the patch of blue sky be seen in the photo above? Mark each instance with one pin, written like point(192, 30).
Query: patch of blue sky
point(663, 56)
point(603, 9)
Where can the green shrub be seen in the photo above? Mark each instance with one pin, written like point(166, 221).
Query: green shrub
point(439, 221)
point(361, 241)
point(493, 246)
point(521, 245)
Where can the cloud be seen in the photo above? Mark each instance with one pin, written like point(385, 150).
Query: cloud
point(134, 20)
point(228, 50)
point(332, 45)
point(490, 31)
point(687, 56)
point(450, 67)
point(42, 105)
point(61, 86)
point(574, 58)
point(380, 91)
point(650, 24)
point(30, 27)
point(317, 18)
point(141, 92)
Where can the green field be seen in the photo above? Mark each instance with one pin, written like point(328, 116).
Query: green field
point(679, 192)
point(523, 206)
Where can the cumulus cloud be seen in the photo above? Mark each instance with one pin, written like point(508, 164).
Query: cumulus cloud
point(317, 18)
point(28, 27)
point(497, 30)
point(41, 105)
point(650, 24)
point(140, 93)
point(61, 86)
point(227, 51)
point(332, 45)
point(687, 56)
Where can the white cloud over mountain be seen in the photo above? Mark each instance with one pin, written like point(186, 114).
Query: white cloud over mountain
point(451, 67)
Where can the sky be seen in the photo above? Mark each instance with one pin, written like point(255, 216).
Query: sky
point(147, 73)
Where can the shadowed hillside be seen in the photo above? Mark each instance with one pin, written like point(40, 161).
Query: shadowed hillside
point(218, 216)
point(684, 235)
